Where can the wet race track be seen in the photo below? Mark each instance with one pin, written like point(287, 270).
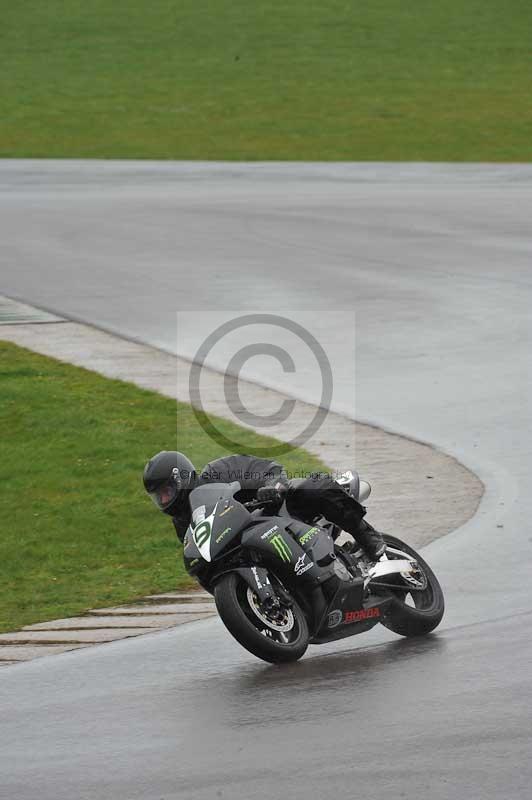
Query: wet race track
point(436, 263)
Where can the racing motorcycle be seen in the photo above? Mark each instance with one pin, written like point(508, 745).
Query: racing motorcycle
point(281, 584)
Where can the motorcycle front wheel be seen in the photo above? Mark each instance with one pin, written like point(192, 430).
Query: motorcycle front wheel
point(274, 636)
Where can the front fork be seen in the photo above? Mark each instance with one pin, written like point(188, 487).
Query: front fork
point(259, 582)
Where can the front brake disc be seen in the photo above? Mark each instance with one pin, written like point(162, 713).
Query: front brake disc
point(283, 625)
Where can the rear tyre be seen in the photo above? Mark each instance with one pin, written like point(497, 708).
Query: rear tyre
point(413, 611)
point(276, 640)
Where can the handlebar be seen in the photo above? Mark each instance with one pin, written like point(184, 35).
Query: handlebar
point(252, 505)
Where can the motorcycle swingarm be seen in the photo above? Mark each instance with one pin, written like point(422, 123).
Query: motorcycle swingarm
point(390, 566)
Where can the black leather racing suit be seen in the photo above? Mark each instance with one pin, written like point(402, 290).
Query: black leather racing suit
point(316, 495)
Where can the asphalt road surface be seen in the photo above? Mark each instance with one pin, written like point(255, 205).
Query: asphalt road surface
point(436, 263)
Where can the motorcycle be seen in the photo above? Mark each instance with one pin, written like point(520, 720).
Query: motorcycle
point(281, 584)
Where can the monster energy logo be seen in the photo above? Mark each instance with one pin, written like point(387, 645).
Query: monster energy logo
point(308, 535)
point(202, 533)
point(281, 548)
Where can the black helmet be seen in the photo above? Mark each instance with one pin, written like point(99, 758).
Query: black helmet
point(168, 478)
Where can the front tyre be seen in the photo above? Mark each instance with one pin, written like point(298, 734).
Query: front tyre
point(414, 610)
point(277, 638)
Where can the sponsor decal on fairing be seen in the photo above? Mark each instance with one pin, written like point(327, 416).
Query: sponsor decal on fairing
point(223, 533)
point(281, 548)
point(270, 532)
point(361, 615)
point(300, 566)
point(202, 533)
point(334, 618)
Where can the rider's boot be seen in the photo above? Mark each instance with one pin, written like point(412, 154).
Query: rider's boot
point(370, 540)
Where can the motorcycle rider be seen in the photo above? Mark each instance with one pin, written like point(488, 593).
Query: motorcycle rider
point(169, 477)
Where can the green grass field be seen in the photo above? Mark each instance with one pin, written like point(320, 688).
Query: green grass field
point(249, 79)
point(76, 528)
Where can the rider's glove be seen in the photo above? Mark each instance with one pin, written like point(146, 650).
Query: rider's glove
point(271, 494)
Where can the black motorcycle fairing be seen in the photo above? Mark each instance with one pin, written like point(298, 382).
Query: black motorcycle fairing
point(276, 543)
point(224, 528)
point(316, 540)
point(348, 613)
point(217, 519)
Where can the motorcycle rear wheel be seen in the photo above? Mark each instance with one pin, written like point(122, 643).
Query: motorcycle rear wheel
point(425, 610)
point(276, 641)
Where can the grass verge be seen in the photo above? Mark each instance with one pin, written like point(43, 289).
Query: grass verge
point(230, 79)
point(76, 529)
